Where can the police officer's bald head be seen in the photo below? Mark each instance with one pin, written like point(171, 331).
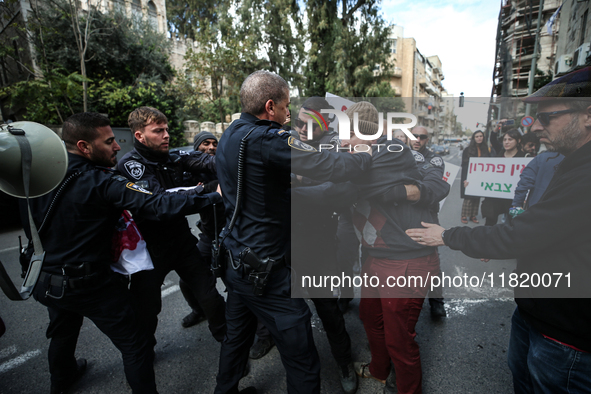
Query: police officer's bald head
point(260, 87)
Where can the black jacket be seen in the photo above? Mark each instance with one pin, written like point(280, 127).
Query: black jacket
point(158, 172)
point(82, 221)
point(270, 155)
point(384, 214)
point(553, 237)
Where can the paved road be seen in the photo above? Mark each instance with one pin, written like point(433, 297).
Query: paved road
point(463, 353)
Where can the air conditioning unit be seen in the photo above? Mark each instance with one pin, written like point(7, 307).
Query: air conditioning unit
point(563, 64)
point(580, 55)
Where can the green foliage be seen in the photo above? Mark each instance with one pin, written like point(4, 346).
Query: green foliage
point(542, 79)
point(118, 99)
point(346, 48)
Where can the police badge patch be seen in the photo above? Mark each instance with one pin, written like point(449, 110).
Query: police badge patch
point(136, 188)
point(437, 161)
point(299, 145)
point(135, 169)
point(419, 158)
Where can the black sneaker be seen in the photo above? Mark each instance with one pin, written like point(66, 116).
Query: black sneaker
point(248, 390)
point(64, 388)
point(192, 319)
point(261, 347)
point(438, 310)
point(349, 379)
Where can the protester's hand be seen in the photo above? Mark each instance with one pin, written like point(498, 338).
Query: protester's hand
point(466, 183)
point(428, 236)
point(412, 192)
point(219, 190)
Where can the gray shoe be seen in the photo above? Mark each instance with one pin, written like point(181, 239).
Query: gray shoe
point(261, 347)
point(349, 379)
point(390, 387)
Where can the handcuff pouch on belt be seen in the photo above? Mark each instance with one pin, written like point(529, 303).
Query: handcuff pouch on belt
point(258, 270)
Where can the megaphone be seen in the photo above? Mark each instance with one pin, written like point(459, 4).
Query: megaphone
point(49, 159)
point(34, 161)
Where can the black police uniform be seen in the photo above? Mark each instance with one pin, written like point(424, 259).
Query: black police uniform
point(314, 245)
point(263, 225)
point(76, 280)
point(432, 167)
point(208, 222)
point(171, 244)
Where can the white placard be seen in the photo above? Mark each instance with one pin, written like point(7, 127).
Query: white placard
point(449, 175)
point(494, 176)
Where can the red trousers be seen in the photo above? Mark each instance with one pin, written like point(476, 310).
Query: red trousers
point(390, 314)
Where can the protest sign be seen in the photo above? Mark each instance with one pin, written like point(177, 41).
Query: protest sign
point(494, 176)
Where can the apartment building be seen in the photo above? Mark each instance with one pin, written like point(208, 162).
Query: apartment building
point(574, 37)
point(418, 79)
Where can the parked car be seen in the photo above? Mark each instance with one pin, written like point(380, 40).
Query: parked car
point(440, 150)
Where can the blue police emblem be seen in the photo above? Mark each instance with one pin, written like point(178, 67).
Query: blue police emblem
point(419, 158)
point(135, 169)
point(136, 188)
point(437, 161)
point(299, 145)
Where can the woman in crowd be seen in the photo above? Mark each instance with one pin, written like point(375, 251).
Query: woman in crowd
point(477, 148)
point(511, 147)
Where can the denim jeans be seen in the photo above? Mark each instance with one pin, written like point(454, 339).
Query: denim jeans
point(541, 365)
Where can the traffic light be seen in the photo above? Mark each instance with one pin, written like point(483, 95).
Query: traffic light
point(462, 99)
point(429, 108)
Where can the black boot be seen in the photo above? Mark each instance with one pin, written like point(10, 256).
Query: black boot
point(64, 387)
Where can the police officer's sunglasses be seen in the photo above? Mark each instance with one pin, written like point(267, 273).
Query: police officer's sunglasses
point(300, 123)
point(544, 117)
point(421, 136)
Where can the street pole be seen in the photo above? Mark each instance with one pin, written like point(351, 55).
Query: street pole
point(534, 60)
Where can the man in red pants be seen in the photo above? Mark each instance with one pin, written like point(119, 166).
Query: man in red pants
point(394, 198)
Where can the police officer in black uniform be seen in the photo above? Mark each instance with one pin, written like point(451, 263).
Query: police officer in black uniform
point(432, 168)
point(321, 133)
point(171, 244)
point(254, 161)
point(204, 143)
point(314, 242)
point(76, 222)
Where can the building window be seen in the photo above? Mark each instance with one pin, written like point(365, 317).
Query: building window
point(393, 44)
point(153, 15)
point(136, 11)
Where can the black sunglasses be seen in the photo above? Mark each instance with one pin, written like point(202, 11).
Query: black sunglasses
point(421, 136)
point(300, 123)
point(544, 117)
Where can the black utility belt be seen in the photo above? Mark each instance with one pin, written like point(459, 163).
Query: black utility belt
point(276, 265)
point(74, 283)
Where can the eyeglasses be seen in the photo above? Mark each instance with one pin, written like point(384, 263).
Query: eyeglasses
point(421, 136)
point(544, 117)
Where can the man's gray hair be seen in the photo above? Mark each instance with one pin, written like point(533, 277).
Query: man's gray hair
point(260, 87)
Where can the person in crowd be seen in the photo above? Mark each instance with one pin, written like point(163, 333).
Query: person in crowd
point(314, 242)
point(476, 148)
point(432, 167)
point(254, 162)
point(400, 135)
point(535, 178)
point(531, 144)
point(392, 199)
point(171, 244)
point(511, 147)
point(204, 143)
point(77, 230)
point(550, 342)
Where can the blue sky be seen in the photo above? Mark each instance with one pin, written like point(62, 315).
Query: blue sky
point(461, 32)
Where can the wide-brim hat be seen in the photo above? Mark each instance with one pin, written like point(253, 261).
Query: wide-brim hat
point(576, 84)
